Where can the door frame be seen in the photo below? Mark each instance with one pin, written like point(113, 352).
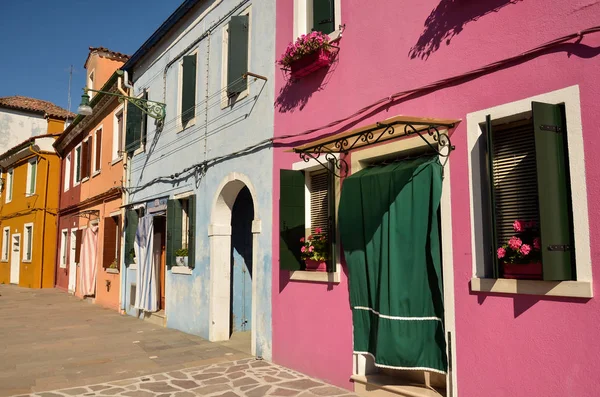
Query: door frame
point(72, 263)
point(17, 257)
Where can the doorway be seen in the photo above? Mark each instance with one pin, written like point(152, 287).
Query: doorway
point(159, 256)
point(72, 263)
point(15, 260)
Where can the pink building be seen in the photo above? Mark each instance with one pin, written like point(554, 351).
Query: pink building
point(514, 84)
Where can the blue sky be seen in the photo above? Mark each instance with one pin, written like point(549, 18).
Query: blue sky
point(40, 39)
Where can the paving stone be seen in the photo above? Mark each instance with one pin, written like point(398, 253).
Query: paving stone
point(271, 379)
point(247, 387)
point(236, 368)
point(228, 394)
point(260, 391)
point(125, 382)
point(164, 395)
point(49, 395)
point(113, 391)
point(327, 391)
point(183, 394)
point(185, 384)
point(205, 376)
point(99, 387)
point(284, 392)
point(235, 375)
point(90, 394)
point(207, 390)
point(158, 387)
point(285, 375)
point(75, 392)
point(301, 384)
point(244, 381)
point(161, 377)
point(177, 375)
point(216, 381)
point(139, 393)
point(259, 364)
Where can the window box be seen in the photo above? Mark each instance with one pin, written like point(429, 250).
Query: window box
point(181, 261)
point(525, 271)
point(315, 266)
point(310, 63)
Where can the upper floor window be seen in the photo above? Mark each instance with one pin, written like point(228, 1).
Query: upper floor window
point(320, 15)
point(86, 158)
point(137, 126)
point(187, 89)
point(31, 177)
point(236, 43)
point(77, 166)
point(67, 172)
point(90, 83)
point(181, 227)
point(117, 144)
point(9, 185)
point(97, 163)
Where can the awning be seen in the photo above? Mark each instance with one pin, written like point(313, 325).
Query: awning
point(392, 128)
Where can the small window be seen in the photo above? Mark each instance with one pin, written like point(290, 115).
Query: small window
point(86, 158)
point(112, 234)
point(181, 230)
point(63, 248)
point(67, 171)
point(188, 89)
point(98, 150)
point(5, 244)
point(31, 177)
point(77, 166)
point(117, 145)
point(27, 253)
point(318, 15)
point(9, 185)
point(90, 83)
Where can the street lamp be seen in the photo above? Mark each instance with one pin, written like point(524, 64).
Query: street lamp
point(156, 110)
point(84, 108)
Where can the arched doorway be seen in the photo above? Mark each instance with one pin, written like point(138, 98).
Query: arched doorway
point(233, 235)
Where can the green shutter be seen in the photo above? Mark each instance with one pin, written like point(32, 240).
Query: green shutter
point(134, 128)
point(553, 184)
point(192, 231)
point(131, 224)
point(291, 219)
point(492, 195)
point(144, 122)
point(323, 16)
point(188, 89)
point(237, 58)
point(173, 230)
point(331, 235)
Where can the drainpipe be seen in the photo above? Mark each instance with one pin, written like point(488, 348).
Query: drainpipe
point(45, 212)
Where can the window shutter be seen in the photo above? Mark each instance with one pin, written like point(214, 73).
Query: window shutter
point(131, 224)
point(556, 222)
point(291, 219)
point(323, 16)
point(237, 58)
point(78, 242)
point(84, 159)
point(88, 166)
point(144, 122)
point(188, 89)
point(319, 202)
point(331, 232)
point(133, 128)
point(491, 192)
point(192, 231)
point(98, 149)
point(109, 248)
point(173, 230)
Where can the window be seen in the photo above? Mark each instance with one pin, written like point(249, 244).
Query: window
point(132, 217)
point(64, 235)
point(98, 150)
point(307, 202)
point(28, 242)
point(117, 144)
point(187, 91)
point(320, 15)
point(86, 159)
point(77, 166)
point(110, 256)
point(90, 83)
point(31, 177)
point(5, 243)
point(9, 185)
point(137, 127)
point(181, 216)
point(236, 38)
point(67, 172)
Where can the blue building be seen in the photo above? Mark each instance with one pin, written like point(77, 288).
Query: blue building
point(199, 183)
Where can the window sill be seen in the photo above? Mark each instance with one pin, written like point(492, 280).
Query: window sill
point(139, 150)
point(62, 266)
point(29, 194)
point(573, 289)
point(115, 161)
point(26, 261)
point(96, 173)
point(4, 260)
point(319, 277)
point(227, 102)
point(132, 266)
point(181, 270)
point(188, 125)
point(112, 271)
point(87, 178)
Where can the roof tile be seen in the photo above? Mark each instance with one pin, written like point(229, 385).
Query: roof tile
point(35, 105)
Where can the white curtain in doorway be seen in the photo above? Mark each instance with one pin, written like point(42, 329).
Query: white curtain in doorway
point(146, 293)
point(89, 260)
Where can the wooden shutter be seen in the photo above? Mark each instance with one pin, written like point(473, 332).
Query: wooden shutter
point(291, 219)
point(237, 58)
point(88, 167)
point(319, 201)
point(556, 223)
point(173, 230)
point(133, 129)
point(110, 245)
point(78, 242)
point(98, 150)
point(188, 89)
point(131, 224)
point(192, 231)
point(84, 159)
point(323, 16)
point(491, 194)
point(144, 122)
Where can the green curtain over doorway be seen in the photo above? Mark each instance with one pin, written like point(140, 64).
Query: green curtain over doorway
point(390, 232)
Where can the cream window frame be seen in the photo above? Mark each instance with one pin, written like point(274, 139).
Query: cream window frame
point(5, 244)
point(28, 242)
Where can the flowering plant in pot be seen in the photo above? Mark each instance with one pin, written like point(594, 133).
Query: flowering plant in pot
point(181, 257)
point(314, 251)
point(521, 254)
point(307, 54)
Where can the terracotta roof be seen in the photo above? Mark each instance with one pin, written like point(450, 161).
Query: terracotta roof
point(105, 52)
point(35, 105)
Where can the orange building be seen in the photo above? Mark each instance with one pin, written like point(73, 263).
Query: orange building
point(29, 197)
point(90, 222)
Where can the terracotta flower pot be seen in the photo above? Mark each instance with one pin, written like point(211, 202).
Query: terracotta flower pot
point(525, 271)
point(310, 63)
point(315, 266)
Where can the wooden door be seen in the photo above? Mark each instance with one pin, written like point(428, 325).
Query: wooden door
point(159, 254)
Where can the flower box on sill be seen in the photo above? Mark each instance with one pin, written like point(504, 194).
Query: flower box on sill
point(310, 63)
point(181, 260)
point(522, 271)
point(315, 266)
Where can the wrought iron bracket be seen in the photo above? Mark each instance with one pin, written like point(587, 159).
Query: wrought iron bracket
point(156, 110)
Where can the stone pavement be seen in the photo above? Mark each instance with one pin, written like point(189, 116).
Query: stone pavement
point(53, 344)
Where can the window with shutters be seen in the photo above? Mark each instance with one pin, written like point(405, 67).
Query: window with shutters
point(318, 205)
point(77, 166)
point(97, 163)
point(86, 160)
point(236, 58)
point(5, 244)
point(64, 235)
point(117, 143)
point(132, 217)
point(181, 214)
point(28, 243)
point(110, 256)
point(67, 171)
point(90, 83)
point(320, 15)
point(136, 129)
point(31, 177)
point(9, 185)
point(187, 90)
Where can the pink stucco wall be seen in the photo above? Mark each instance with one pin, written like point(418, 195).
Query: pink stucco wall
point(510, 345)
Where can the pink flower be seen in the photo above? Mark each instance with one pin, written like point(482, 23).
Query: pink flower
point(536, 243)
point(525, 249)
point(303, 249)
point(311, 248)
point(302, 240)
point(501, 253)
point(518, 225)
point(514, 243)
point(318, 230)
point(310, 237)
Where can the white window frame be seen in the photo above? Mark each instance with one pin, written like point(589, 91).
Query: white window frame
point(77, 164)
point(116, 154)
point(582, 288)
point(67, 178)
point(95, 140)
point(28, 241)
point(303, 275)
point(30, 165)
point(64, 235)
point(10, 174)
point(192, 122)
point(90, 82)
point(225, 100)
point(303, 18)
point(5, 244)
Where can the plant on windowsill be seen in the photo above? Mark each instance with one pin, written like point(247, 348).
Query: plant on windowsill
point(314, 251)
point(113, 265)
point(521, 256)
point(181, 257)
point(308, 54)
